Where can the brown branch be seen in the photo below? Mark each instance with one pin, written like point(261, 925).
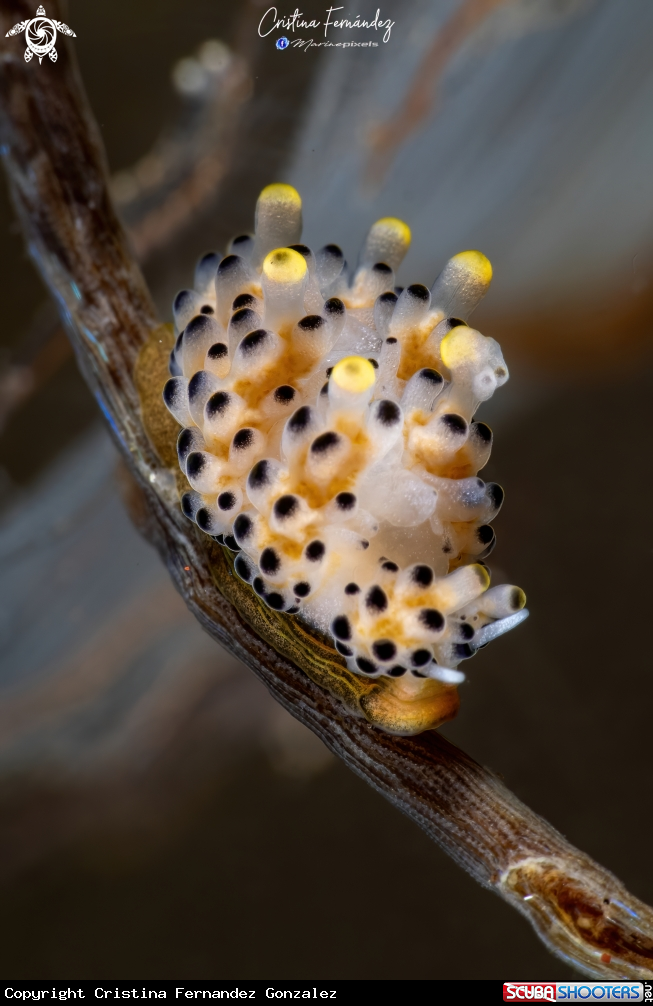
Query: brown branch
point(57, 174)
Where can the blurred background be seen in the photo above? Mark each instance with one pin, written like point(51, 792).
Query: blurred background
point(160, 815)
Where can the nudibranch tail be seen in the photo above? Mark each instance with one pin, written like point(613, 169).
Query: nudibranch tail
point(329, 439)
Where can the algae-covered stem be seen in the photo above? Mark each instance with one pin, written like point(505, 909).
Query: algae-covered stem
point(57, 174)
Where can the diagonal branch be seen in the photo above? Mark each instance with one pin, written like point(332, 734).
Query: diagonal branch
point(57, 174)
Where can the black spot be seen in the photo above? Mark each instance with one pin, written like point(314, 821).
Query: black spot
point(375, 363)
point(243, 439)
point(258, 585)
point(495, 494)
point(390, 566)
point(419, 292)
point(352, 588)
point(420, 657)
point(417, 674)
point(485, 534)
point(488, 550)
point(285, 506)
point(284, 394)
point(196, 384)
point(269, 562)
point(259, 476)
point(210, 259)
point(388, 412)
point(302, 249)
point(217, 404)
point(181, 299)
point(243, 568)
point(231, 543)
point(315, 551)
point(185, 441)
point(396, 672)
point(334, 307)
point(345, 501)
point(198, 325)
point(325, 442)
point(302, 589)
point(226, 501)
point(243, 526)
point(345, 650)
point(253, 341)
point(466, 630)
point(207, 309)
point(324, 390)
point(229, 263)
point(243, 300)
point(391, 341)
point(333, 251)
point(384, 649)
point(300, 419)
point(376, 599)
point(241, 240)
point(389, 298)
point(482, 431)
point(311, 323)
point(431, 619)
point(329, 371)
point(187, 505)
point(454, 422)
point(195, 462)
point(422, 575)
point(430, 375)
point(293, 610)
point(341, 628)
point(217, 351)
point(244, 317)
point(463, 651)
point(455, 322)
point(515, 595)
point(275, 601)
point(365, 665)
point(203, 519)
point(219, 538)
point(364, 543)
point(382, 268)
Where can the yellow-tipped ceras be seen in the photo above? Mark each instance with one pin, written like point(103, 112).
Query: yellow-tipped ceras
point(329, 445)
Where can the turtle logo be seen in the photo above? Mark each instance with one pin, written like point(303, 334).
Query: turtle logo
point(40, 35)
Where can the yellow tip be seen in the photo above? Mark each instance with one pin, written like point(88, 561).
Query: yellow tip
point(280, 193)
point(477, 264)
point(284, 265)
point(483, 575)
point(395, 227)
point(460, 346)
point(354, 373)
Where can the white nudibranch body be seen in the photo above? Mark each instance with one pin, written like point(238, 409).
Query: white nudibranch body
point(329, 439)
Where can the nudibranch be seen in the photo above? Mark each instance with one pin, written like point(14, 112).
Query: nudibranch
point(329, 441)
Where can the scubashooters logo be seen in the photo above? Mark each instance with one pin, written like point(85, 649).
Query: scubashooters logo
point(40, 35)
point(573, 992)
